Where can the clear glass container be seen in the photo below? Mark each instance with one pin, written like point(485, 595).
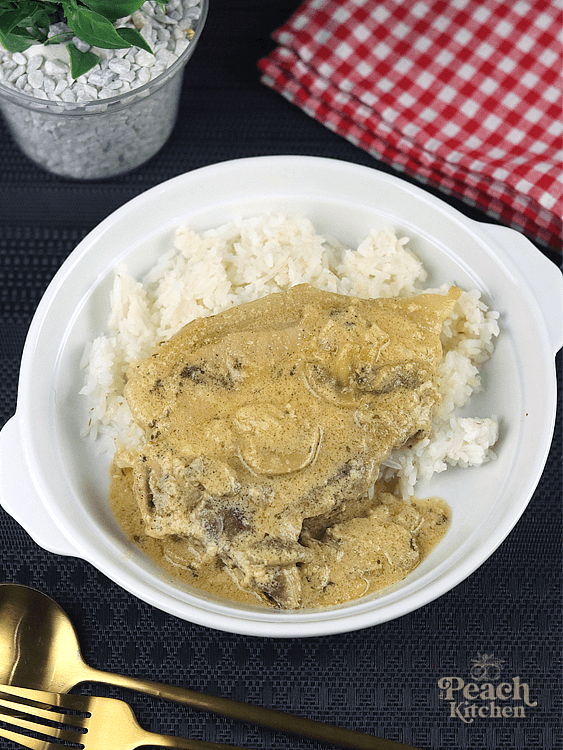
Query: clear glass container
point(101, 138)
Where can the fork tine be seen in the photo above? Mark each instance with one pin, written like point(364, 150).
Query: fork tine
point(25, 741)
point(40, 713)
point(41, 699)
point(16, 718)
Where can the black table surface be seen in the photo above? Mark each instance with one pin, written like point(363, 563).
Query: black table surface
point(383, 680)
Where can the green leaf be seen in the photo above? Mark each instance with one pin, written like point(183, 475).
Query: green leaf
point(38, 23)
point(52, 8)
point(24, 15)
point(12, 18)
point(42, 19)
point(92, 27)
point(80, 62)
point(6, 6)
point(14, 42)
point(134, 38)
point(24, 21)
point(13, 33)
point(114, 9)
point(65, 36)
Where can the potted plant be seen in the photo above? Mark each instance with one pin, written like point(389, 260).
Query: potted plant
point(90, 88)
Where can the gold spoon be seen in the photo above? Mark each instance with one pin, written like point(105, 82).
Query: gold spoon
point(39, 649)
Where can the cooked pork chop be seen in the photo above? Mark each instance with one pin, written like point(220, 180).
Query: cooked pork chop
point(263, 422)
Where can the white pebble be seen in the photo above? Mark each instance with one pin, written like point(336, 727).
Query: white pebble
point(80, 45)
point(163, 35)
point(164, 58)
point(144, 59)
point(49, 86)
point(56, 68)
point(19, 59)
point(129, 77)
point(36, 78)
point(160, 16)
point(35, 62)
point(178, 33)
point(21, 82)
point(39, 94)
point(16, 73)
point(181, 46)
point(61, 86)
point(143, 75)
point(192, 13)
point(156, 70)
point(120, 66)
point(139, 19)
point(148, 34)
point(57, 28)
point(90, 91)
point(98, 78)
point(68, 95)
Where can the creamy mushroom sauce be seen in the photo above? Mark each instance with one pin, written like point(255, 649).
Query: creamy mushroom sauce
point(265, 428)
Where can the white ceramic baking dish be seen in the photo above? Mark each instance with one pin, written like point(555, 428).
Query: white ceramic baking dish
point(54, 482)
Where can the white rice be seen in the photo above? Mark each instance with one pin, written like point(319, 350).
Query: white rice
point(246, 259)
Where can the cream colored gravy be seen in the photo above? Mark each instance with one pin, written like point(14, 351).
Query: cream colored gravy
point(380, 563)
point(265, 428)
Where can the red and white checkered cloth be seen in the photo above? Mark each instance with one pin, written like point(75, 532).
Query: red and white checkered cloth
point(464, 95)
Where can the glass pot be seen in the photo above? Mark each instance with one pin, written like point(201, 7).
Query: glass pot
point(101, 138)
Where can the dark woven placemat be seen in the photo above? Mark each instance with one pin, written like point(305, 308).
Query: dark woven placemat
point(383, 680)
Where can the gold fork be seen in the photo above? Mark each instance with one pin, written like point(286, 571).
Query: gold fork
point(91, 723)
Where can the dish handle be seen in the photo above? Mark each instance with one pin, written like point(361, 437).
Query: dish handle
point(542, 275)
point(19, 497)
